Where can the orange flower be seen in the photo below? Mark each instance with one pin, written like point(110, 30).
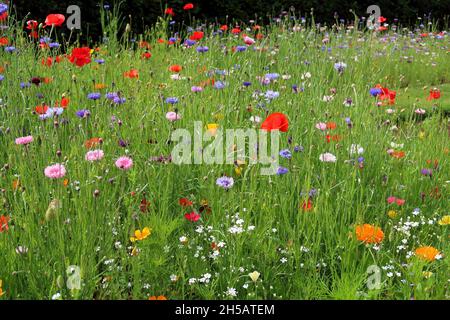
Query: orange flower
point(427, 253)
point(398, 154)
point(133, 73)
point(141, 235)
point(157, 298)
point(331, 125)
point(368, 233)
point(100, 86)
point(92, 143)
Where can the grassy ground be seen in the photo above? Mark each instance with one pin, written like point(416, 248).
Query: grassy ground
point(299, 254)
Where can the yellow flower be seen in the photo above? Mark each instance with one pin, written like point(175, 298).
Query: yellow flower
point(141, 235)
point(445, 221)
point(392, 214)
point(427, 274)
point(422, 135)
point(212, 128)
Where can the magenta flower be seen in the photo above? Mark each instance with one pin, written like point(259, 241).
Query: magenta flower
point(192, 216)
point(94, 155)
point(55, 171)
point(124, 163)
point(24, 140)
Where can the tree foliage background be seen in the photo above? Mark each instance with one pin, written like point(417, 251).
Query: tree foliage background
point(145, 12)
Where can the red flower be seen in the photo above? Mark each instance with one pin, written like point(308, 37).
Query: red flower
point(175, 68)
point(307, 205)
point(32, 24)
point(4, 41)
point(146, 55)
point(133, 73)
point(64, 102)
point(387, 94)
point(41, 109)
point(3, 16)
point(382, 19)
point(236, 30)
point(192, 216)
point(144, 205)
point(169, 11)
point(188, 6)
point(275, 121)
point(434, 94)
point(185, 202)
point(55, 19)
point(80, 56)
point(224, 27)
point(4, 223)
point(196, 35)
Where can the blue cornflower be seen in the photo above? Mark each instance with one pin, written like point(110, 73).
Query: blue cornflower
point(10, 49)
point(111, 95)
point(282, 170)
point(286, 154)
point(83, 113)
point(100, 61)
point(94, 96)
point(270, 95)
point(54, 45)
point(272, 76)
point(340, 66)
point(24, 85)
point(202, 49)
point(299, 149)
point(225, 182)
point(119, 100)
point(189, 42)
point(2, 77)
point(219, 85)
point(172, 100)
point(241, 48)
point(247, 84)
point(3, 8)
point(375, 91)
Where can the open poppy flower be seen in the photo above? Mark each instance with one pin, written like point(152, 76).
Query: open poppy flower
point(434, 94)
point(192, 216)
point(80, 56)
point(41, 109)
point(276, 121)
point(133, 73)
point(176, 68)
point(169, 11)
point(141, 235)
point(387, 94)
point(4, 41)
point(196, 35)
point(32, 24)
point(185, 202)
point(368, 233)
point(55, 20)
point(4, 223)
point(188, 6)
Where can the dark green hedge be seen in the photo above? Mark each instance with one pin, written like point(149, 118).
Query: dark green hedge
point(144, 12)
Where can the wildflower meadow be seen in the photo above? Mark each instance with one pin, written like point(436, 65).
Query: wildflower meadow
point(287, 160)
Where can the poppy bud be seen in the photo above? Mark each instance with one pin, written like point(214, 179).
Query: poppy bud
point(128, 28)
point(96, 193)
point(59, 153)
point(74, 77)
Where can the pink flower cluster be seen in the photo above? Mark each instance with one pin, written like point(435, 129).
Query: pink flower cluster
point(55, 171)
point(24, 140)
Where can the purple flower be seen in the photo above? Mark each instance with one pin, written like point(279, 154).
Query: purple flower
point(298, 149)
point(111, 95)
point(10, 49)
point(54, 45)
point(247, 84)
point(282, 170)
point(3, 8)
point(225, 182)
point(286, 154)
point(100, 61)
point(426, 172)
point(172, 100)
point(83, 113)
point(94, 96)
point(119, 100)
point(375, 91)
point(202, 49)
point(189, 42)
point(219, 85)
point(241, 48)
point(196, 89)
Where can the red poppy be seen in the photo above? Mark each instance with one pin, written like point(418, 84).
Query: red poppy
point(331, 125)
point(307, 205)
point(175, 68)
point(133, 73)
point(434, 94)
point(398, 154)
point(169, 11)
point(41, 109)
point(4, 41)
point(197, 35)
point(192, 216)
point(259, 36)
point(161, 40)
point(224, 27)
point(387, 94)
point(92, 143)
point(32, 24)
point(80, 56)
point(185, 202)
point(3, 16)
point(64, 102)
point(236, 30)
point(146, 55)
point(276, 121)
point(4, 223)
point(188, 6)
point(382, 19)
point(55, 19)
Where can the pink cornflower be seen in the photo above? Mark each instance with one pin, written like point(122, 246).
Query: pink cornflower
point(124, 163)
point(24, 140)
point(321, 126)
point(94, 155)
point(55, 171)
point(172, 116)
